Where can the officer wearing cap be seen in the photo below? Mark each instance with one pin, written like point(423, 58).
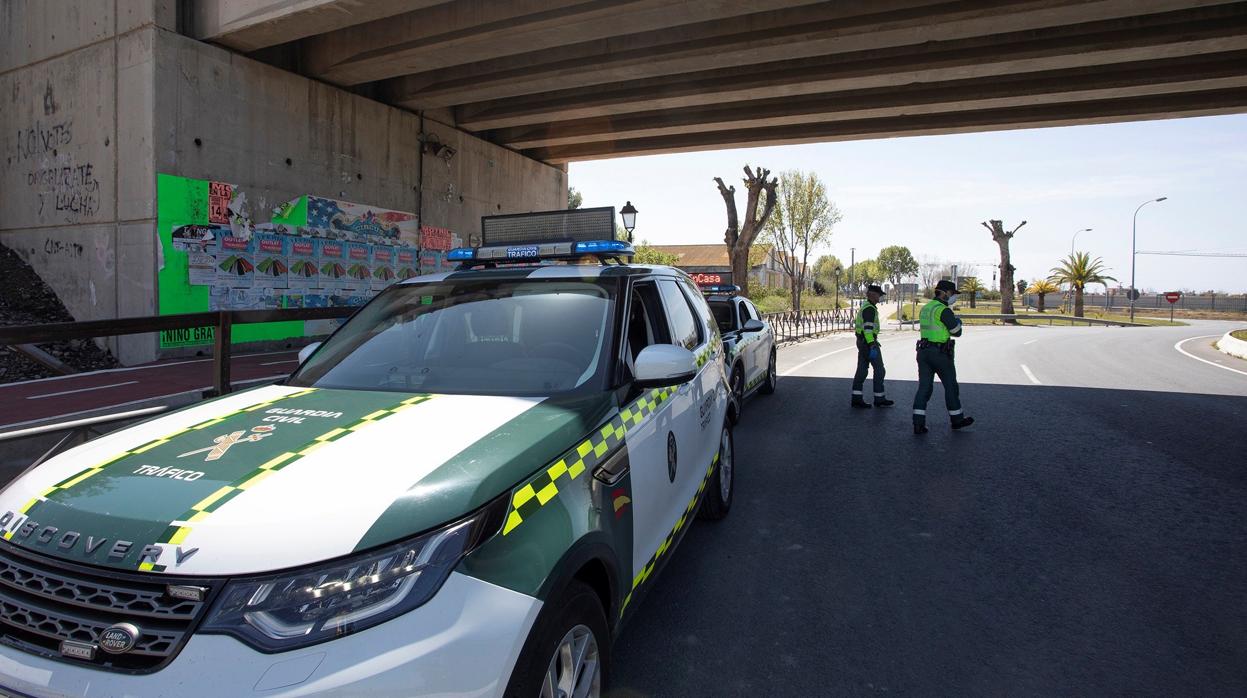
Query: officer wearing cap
point(935, 357)
point(866, 326)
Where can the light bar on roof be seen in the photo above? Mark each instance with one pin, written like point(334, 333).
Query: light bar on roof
point(545, 227)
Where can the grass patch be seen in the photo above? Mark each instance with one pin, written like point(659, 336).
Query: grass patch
point(1239, 334)
point(781, 304)
point(966, 313)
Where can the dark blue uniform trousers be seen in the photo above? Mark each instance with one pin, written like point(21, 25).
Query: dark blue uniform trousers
point(931, 363)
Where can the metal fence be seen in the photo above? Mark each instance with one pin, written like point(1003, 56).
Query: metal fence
point(791, 326)
point(1152, 301)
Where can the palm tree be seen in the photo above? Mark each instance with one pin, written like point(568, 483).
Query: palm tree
point(1042, 288)
point(971, 286)
point(1078, 270)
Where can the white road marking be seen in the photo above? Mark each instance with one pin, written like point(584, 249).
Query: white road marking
point(1030, 375)
point(1178, 346)
point(287, 361)
point(1030, 342)
point(128, 369)
point(79, 390)
point(803, 364)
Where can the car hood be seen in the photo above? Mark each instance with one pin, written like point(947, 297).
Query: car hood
point(281, 476)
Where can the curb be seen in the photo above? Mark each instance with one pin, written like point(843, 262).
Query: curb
point(1232, 345)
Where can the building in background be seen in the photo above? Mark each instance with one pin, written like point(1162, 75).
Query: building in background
point(709, 264)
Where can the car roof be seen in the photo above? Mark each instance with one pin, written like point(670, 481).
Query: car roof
point(553, 271)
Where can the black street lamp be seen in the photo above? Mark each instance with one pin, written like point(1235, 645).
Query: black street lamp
point(837, 273)
point(628, 213)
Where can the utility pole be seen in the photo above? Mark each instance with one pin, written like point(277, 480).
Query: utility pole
point(852, 262)
point(1134, 230)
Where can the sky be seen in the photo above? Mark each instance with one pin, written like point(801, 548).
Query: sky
point(930, 193)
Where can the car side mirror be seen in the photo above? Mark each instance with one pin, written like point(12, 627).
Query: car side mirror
point(752, 325)
point(663, 365)
point(308, 351)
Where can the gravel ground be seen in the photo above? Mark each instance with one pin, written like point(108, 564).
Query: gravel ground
point(26, 300)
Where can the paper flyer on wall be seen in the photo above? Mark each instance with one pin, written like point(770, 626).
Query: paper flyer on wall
point(382, 267)
point(405, 262)
point(199, 244)
point(235, 262)
point(304, 272)
point(331, 258)
point(358, 268)
point(272, 263)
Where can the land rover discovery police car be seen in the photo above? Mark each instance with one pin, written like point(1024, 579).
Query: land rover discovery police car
point(748, 342)
point(465, 491)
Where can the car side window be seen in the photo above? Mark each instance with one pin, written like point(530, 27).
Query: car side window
point(744, 312)
point(686, 331)
point(753, 310)
point(646, 323)
point(701, 308)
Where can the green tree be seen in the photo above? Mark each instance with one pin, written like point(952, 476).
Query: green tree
point(825, 271)
point(1042, 288)
point(897, 262)
point(574, 198)
point(802, 220)
point(760, 201)
point(1078, 270)
point(971, 285)
point(864, 273)
point(648, 254)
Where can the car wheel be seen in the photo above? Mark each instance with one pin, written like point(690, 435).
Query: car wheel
point(718, 498)
point(738, 392)
point(567, 654)
point(772, 379)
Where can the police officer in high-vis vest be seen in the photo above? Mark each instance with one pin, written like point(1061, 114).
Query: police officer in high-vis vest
point(935, 357)
point(866, 326)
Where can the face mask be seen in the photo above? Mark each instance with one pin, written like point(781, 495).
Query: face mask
point(952, 298)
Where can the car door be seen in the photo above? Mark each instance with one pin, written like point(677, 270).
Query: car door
point(766, 339)
point(707, 391)
point(755, 363)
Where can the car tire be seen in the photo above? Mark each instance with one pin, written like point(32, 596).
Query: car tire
point(738, 391)
point(717, 501)
point(772, 379)
point(575, 615)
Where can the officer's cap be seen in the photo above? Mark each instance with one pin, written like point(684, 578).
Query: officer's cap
point(875, 289)
point(946, 285)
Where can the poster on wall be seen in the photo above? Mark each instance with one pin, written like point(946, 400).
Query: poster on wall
point(315, 252)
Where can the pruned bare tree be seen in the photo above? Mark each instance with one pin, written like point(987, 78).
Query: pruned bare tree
point(738, 237)
point(1002, 238)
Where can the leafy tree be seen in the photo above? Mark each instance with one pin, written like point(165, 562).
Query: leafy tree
point(971, 285)
point(825, 271)
point(896, 263)
point(1002, 238)
point(760, 202)
point(802, 220)
point(1042, 288)
point(1021, 286)
point(864, 273)
point(1078, 270)
point(574, 198)
point(648, 254)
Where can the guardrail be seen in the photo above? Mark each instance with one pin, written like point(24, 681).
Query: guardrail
point(222, 321)
point(791, 326)
point(79, 430)
point(1045, 316)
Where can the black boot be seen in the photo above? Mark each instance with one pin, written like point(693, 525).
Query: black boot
point(961, 422)
point(881, 401)
point(920, 428)
point(859, 403)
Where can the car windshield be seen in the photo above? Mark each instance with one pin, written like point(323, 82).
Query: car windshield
point(723, 315)
point(517, 337)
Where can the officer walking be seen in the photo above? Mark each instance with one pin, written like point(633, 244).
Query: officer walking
point(935, 357)
point(866, 326)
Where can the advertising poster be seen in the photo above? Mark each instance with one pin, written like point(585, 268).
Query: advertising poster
point(199, 244)
point(358, 268)
point(331, 258)
point(235, 262)
point(405, 263)
point(382, 267)
point(429, 262)
point(272, 260)
point(360, 221)
point(304, 272)
point(432, 238)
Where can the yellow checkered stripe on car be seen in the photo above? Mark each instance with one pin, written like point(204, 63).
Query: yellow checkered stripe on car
point(177, 531)
point(646, 571)
point(544, 486)
point(83, 475)
point(711, 349)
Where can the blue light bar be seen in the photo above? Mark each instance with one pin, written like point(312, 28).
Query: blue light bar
point(617, 247)
point(720, 288)
point(461, 254)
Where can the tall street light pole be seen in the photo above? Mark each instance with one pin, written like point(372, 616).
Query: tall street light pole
point(852, 263)
point(1071, 240)
point(1134, 230)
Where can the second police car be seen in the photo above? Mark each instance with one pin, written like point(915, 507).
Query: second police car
point(748, 340)
point(465, 491)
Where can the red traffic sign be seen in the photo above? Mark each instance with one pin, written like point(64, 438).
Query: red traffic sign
point(1173, 296)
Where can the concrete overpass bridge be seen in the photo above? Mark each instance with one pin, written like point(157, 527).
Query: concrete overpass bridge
point(566, 80)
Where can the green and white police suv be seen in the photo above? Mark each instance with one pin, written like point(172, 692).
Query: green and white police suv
point(465, 491)
point(748, 341)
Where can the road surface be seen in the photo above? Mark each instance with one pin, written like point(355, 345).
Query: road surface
point(1087, 536)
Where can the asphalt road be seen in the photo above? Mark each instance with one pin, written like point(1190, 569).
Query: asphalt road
point(1087, 536)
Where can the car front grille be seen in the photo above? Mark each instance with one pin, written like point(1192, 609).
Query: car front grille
point(45, 602)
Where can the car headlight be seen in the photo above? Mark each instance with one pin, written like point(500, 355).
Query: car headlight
point(302, 607)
